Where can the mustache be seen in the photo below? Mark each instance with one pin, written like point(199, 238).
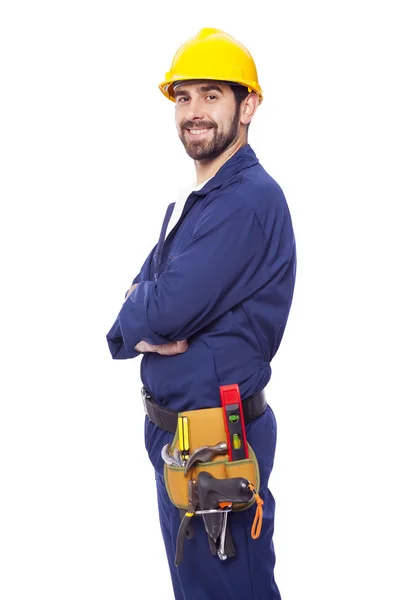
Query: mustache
point(197, 125)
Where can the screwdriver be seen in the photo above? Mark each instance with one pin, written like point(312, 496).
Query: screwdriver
point(183, 433)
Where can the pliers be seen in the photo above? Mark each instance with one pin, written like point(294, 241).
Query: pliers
point(193, 505)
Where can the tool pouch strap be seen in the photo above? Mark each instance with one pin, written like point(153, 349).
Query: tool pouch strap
point(206, 428)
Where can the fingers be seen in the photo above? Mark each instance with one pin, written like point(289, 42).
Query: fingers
point(129, 292)
point(182, 346)
point(173, 348)
point(143, 347)
point(169, 349)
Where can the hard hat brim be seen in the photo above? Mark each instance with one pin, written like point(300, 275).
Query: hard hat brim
point(167, 87)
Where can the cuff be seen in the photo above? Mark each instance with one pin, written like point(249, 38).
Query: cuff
point(116, 343)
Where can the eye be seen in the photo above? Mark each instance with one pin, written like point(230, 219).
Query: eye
point(182, 99)
point(212, 96)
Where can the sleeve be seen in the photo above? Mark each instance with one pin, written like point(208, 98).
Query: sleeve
point(145, 271)
point(114, 336)
point(229, 257)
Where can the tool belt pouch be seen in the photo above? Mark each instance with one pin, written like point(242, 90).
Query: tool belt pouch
point(206, 428)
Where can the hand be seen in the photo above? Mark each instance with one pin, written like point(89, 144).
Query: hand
point(129, 292)
point(172, 348)
point(169, 349)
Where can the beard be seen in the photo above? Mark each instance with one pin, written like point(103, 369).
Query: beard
point(210, 149)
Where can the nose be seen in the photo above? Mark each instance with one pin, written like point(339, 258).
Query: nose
point(195, 110)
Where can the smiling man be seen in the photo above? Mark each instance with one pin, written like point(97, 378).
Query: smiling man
point(208, 309)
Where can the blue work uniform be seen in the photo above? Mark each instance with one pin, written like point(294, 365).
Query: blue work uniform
point(223, 280)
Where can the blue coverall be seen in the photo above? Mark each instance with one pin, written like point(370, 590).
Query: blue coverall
point(224, 282)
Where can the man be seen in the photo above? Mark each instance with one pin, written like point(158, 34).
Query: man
point(210, 304)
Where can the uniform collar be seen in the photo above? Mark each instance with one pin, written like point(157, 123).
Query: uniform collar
point(242, 159)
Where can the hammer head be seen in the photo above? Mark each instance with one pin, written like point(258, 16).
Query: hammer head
point(205, 454)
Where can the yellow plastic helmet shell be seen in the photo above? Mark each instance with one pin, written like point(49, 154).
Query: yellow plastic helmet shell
point(212, 55)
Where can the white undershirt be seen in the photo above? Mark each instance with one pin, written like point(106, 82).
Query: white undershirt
point(183, 194)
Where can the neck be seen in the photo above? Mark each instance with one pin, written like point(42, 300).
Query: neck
point(205, 169)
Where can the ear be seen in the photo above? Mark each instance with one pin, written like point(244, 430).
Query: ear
point(249, 107)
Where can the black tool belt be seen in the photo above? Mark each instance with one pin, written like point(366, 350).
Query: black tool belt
point(167, 419)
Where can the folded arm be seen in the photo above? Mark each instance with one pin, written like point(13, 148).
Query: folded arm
point(230, 256)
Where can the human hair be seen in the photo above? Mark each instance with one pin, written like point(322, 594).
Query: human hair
point(240, 92)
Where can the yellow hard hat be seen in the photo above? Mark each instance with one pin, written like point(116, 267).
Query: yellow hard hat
point(212, 55)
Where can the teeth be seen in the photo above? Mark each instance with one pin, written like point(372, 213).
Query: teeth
point(198, 131)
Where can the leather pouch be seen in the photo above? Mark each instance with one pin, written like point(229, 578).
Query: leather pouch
point(206, 428)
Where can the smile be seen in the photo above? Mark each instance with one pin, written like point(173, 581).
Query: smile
point(198, 132)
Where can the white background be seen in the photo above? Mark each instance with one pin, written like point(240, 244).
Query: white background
point(89, 159)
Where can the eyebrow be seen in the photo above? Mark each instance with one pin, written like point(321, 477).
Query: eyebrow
point(202, 88)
